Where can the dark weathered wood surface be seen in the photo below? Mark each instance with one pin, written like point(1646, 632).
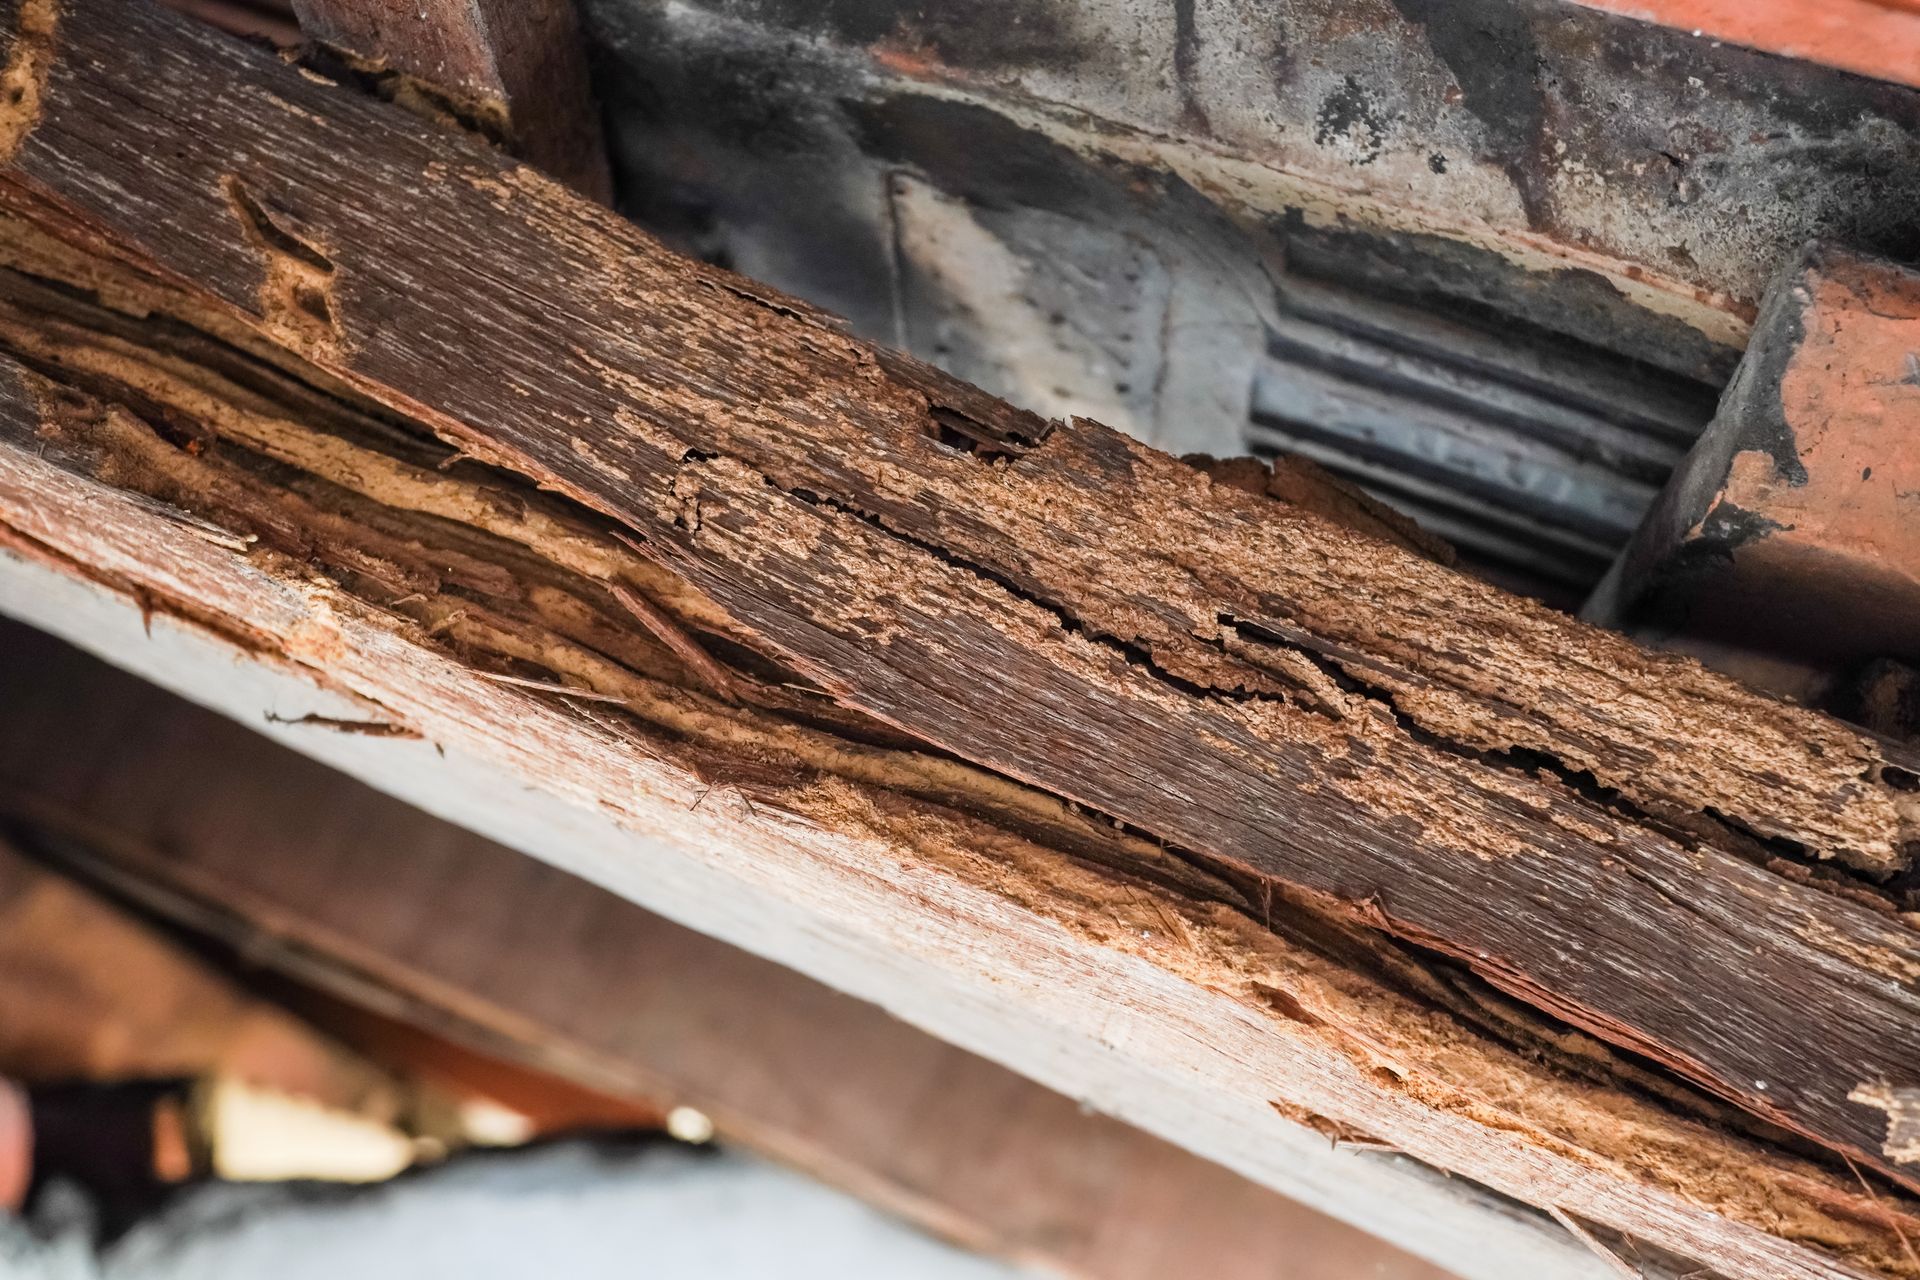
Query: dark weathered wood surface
point(1608, 834)
point(519, 63)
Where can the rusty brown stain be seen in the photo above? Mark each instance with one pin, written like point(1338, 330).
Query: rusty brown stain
point(1878, 38)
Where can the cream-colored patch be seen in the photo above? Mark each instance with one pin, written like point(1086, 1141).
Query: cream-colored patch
point(24, 78)
point(296, 293)
point(1902, 1105)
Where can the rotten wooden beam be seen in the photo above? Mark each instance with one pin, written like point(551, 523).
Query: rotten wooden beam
point(1245, 1030)
point(974, 649)
point(308, 873)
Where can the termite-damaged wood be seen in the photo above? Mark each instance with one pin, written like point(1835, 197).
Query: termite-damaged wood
point(929, 887)
point(883, 560)
point(305, 871)
point(1251, 1037)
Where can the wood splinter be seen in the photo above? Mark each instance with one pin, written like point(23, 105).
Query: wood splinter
point(684, 646)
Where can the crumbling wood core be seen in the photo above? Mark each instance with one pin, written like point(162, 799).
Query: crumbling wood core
point(304, 871)
point(827, 579)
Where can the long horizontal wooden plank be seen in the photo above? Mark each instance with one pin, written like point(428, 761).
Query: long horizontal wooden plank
point(1167, 1009)
point(915, 606)
point(938, 938)
point(1294, 703)
point(90, 995)
point(304, 870)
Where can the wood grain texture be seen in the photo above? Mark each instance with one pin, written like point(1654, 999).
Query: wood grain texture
point(521, 63)
point(307, 871)
point(1159, 1003)
point(943, 942)
point(1041, 614)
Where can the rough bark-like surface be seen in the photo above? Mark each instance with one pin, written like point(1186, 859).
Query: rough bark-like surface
point(1222, 1024)
point(517, 65)
point(1042, 625)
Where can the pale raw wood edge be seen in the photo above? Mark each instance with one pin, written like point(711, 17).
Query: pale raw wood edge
point(955, 959)
point(860, 1100)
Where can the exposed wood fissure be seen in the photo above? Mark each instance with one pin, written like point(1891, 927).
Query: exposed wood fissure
point(1407, 1048)
point(863, 572)
point(600, 658)
point(459, 585)
point(29, 55)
